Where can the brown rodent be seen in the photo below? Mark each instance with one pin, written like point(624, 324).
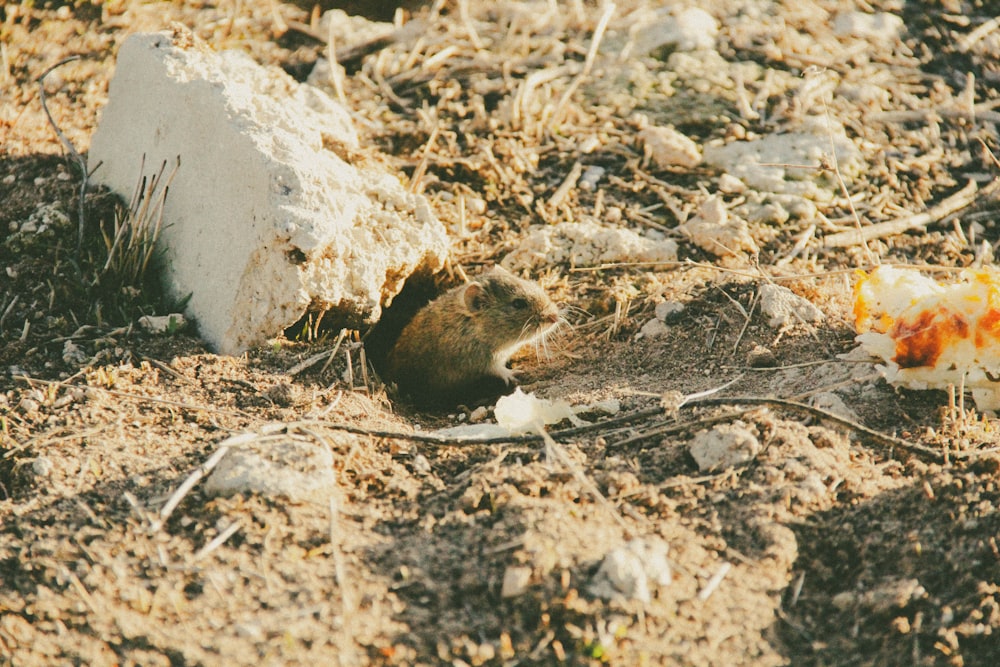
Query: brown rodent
point(462, 341)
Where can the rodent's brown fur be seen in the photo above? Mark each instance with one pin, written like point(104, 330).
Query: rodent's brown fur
point(467, 335)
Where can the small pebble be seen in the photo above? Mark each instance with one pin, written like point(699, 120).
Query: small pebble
point(42, 466)
point(515, 581)
point(761, 357)
point(669, 311)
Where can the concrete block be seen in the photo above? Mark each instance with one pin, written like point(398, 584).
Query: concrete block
point(266, 214)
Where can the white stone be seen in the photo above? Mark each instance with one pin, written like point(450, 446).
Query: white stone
point(669, 148)
point(586, 243)
point(632, 571)
point(299, 471)
point(73, 355)
point(725, 446)
point(880, 27)
point(783, 307)
point(831, 402)
point(668, 310)
point(789, 163)
point(591, 176)
point(654, 328)
point(684, 30)
point(714, 230)
point(159, 324)
point(264, 217)
point(42, 466)
point(515, 581)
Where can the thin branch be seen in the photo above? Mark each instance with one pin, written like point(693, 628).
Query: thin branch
point(81, 163)
point(956, 202)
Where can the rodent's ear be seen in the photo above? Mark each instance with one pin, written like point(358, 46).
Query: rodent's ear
point(474, 297)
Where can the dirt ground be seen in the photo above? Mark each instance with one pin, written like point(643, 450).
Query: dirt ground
point(870, 540)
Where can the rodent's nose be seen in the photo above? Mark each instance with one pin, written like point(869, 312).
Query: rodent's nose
point(551, 318)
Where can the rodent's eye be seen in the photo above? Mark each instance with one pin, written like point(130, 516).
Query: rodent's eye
point(519, 303)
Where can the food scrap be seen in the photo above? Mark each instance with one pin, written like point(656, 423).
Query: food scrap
point(930, 334)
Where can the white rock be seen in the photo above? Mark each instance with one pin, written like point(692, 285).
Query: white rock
point(881, 27)
point(631, 571)
point(669, 148)
point(586, 243)
point(831, 402)
point(655, 328)
point(669, 310)
point(159, 324)
point(774, 163)
point(783, 307)
point(684, 30)
point(591, 177)
point(42, 466)
point(715, 231)
point(730, 184)
point(515, 581)
point(725, 446)
point(263, 217)
point(72, 354)
point(299, 471)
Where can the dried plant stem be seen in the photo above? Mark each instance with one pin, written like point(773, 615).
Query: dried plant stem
point(956, 202)
point(81, 163)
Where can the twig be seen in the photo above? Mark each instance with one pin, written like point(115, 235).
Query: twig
point(956, 202)
point(81, 163)
point(843, 186)
point(177, 496)
point(568, 184)
point(891, 440)
point(219, 540)
point(595, 44)
point(714, 582)
point(966, 42)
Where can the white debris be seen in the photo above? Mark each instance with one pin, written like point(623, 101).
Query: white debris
point(729, 184)
point(884, 597)
point(159, 324)
point(522, 413)
point(669, 148)
point(42, 466)
point(654, 328)
point(682, 30)
point(714, 230)
point(591, 177)
point(725, 446)
point(669, 310)
point(515, 581)
point(73, 355)
point(473, 432)
point(300, 471)
point(880, 27)
point(789, 163)
point(783, 307)
point(586, 243)
point(264, 216)
point(632, 571)
point(831, 402)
